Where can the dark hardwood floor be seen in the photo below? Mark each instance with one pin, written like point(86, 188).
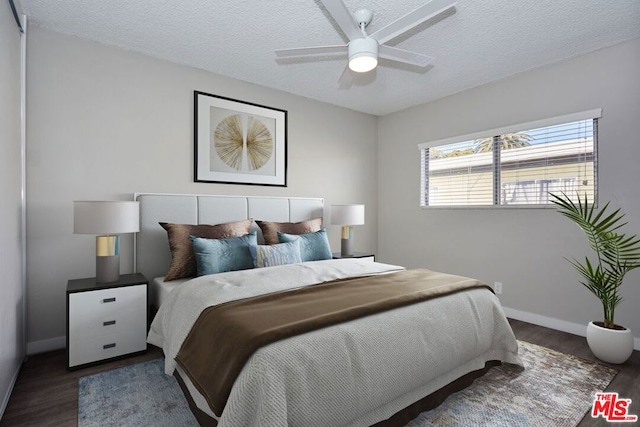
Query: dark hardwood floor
point(46, 394)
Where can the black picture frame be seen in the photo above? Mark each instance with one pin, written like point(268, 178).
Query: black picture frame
point(239, 142)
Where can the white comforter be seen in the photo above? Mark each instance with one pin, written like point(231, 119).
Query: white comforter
point(353, 374)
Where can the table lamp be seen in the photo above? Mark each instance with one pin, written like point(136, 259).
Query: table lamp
point(347, 216)
point(107, 219)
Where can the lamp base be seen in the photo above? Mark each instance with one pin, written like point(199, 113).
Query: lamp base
point(346, 247)
point(107, 269)
point(346, 242)
point(107, 259)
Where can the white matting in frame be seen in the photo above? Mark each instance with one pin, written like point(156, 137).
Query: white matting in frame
point(239, 142)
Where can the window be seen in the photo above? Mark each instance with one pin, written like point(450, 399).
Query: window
point(513, 166)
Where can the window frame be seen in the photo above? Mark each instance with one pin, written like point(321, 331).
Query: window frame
point(593, 114)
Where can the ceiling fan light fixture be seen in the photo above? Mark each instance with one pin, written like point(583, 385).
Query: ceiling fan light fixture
point(363, 55)
point(362, 48)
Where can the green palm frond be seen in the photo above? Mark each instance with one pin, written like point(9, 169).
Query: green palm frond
point(617, 254)
point(506, 141)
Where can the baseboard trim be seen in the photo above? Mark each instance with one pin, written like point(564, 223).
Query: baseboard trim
point(552, 323)
point(42, 346)
point(7, 396)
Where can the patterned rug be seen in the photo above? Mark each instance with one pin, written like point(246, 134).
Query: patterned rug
point(555, 389)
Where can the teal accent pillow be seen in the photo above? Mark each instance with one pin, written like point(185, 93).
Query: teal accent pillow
point(278, 254)
point(220, 255)
point(313, 246)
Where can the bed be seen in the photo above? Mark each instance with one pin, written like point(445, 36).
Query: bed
point(382, 368)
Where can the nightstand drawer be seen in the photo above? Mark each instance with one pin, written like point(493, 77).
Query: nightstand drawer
point(105, 302)
point(104, 347)
point(129, 318)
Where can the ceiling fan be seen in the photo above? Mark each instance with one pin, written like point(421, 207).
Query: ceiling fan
point(363, 49)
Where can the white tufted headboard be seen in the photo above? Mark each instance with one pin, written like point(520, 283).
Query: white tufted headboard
point(152, 255)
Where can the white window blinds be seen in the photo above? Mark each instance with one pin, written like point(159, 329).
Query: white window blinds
point(514, 166)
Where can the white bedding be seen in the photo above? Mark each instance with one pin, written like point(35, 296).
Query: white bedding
point(161, 289)
point(374, 370)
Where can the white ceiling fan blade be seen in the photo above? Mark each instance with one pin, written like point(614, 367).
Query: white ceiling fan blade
point(311, 51)
point(345, 81)
point(399, 55)
point(343, 18)
point(411, 19)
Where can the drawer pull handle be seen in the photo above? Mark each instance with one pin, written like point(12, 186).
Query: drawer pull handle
point(109, 322)
point(109, 300)
point(106, 346)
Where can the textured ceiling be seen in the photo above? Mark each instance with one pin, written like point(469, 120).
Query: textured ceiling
point(477, 42)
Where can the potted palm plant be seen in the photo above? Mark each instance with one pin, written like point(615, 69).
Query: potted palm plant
point(616, 255)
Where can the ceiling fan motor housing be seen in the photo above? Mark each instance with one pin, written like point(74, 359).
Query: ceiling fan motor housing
point(363, 54)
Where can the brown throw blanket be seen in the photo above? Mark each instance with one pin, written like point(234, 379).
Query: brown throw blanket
point(226, 335)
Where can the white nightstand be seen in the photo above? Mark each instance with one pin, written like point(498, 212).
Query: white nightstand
point(106, 320)
point(361, 255)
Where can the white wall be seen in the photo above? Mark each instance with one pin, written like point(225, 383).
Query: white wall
point(105, 123)
point(523, 248)
point(11, 298)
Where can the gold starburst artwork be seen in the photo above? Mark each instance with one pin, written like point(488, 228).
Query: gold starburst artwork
point(259, 144)
point(229, 141)
point(230, 146)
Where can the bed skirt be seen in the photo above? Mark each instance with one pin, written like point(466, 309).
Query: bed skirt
point(399, 419)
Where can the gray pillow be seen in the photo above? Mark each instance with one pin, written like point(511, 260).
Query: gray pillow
point(280, 254)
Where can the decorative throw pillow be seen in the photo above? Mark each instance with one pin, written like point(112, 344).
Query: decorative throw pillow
point(313, 246)
point(220, 255)
point(270, 229)
point(279, 254)
point(183, 262)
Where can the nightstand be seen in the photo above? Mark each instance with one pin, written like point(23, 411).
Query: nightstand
point(106, 320)
point(368, 257)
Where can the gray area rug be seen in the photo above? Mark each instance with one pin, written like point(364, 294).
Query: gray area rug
point(555, 389)
point(137, 395)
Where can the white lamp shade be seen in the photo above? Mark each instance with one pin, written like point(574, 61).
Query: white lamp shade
point(347, 214)
point(105, 217)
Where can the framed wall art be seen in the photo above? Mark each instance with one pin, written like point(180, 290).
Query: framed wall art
point(239, 142)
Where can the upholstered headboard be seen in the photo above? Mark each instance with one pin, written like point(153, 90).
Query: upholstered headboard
point(152, 255)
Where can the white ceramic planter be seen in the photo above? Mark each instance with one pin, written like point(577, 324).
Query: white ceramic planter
point(610, 345)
